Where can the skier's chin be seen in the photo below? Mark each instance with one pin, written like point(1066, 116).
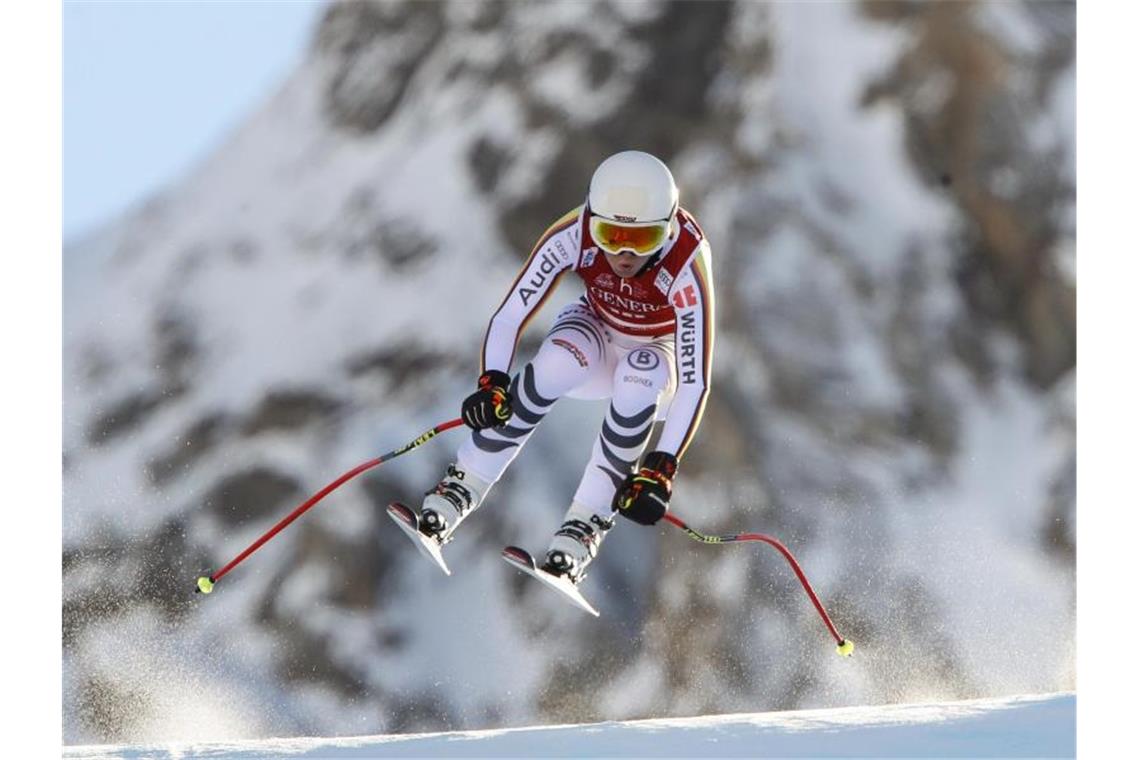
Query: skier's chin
point(625, 264)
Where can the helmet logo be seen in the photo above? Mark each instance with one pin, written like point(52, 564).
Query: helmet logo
point(623, 218)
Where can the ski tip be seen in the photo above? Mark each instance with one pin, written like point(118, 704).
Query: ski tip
point(409, 523)
point(517, 556)
point(401, 512)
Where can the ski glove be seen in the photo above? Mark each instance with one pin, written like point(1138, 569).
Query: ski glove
point(490, 406)
point(644, 496)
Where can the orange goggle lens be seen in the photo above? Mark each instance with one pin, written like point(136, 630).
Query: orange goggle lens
point(639, 239)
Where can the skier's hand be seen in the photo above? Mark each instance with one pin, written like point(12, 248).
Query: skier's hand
point(490, 406)
point(644, 496)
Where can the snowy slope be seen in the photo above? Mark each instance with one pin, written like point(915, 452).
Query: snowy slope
point(1027, 726)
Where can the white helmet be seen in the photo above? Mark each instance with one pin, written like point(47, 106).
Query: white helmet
point(633, 187)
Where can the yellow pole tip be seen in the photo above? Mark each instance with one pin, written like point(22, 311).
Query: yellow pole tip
point(205, 585)
point(845, 648)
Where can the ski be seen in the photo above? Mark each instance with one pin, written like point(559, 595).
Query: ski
point(521, 560)
point(409, 522)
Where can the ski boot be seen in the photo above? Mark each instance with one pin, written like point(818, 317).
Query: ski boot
point(459, 494)
point(576, 543)
point(453, 498)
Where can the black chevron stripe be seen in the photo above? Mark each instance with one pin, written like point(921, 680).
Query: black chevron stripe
point(528, 387)
point(634, 420)
point(593, 325)
point(619, 464)
point(579, 322)
point(511, 431)
point(490, 445)
point(526, 414)
point(519, 407)
point(624, 441)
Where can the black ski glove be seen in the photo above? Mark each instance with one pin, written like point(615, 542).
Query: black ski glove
point(490, 406)
point(644, 496)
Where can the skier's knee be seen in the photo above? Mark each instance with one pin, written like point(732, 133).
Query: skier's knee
point(560, 365)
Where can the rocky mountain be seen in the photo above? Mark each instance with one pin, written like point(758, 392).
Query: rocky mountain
point(889, 190)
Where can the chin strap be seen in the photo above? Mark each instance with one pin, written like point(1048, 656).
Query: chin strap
point(651, 261)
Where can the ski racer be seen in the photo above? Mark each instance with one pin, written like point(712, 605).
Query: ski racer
point(641, 335)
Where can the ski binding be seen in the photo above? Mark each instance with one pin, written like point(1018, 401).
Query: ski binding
point(409, 522)
point(522, 560)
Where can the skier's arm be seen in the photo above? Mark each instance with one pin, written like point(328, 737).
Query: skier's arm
point(551, 257)
point(694, 307)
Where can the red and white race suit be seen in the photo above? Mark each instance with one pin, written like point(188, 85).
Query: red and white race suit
point(644, 341)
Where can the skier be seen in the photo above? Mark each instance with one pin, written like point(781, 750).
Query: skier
point(641, 335)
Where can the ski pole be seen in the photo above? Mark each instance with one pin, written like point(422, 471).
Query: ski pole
point(843, 646)
point(206, 582)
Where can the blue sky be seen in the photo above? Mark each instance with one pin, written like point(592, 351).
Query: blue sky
point(150, 87)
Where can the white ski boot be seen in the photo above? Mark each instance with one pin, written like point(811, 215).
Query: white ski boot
point(576, 543)
point(459, 494)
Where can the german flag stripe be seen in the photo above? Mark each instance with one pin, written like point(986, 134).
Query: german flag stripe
point(563, 222)
point(704, 285)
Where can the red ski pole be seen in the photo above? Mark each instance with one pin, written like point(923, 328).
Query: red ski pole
point(206, 582)
point(843, 646)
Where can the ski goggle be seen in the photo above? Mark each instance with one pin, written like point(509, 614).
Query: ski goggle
point(639, 239)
